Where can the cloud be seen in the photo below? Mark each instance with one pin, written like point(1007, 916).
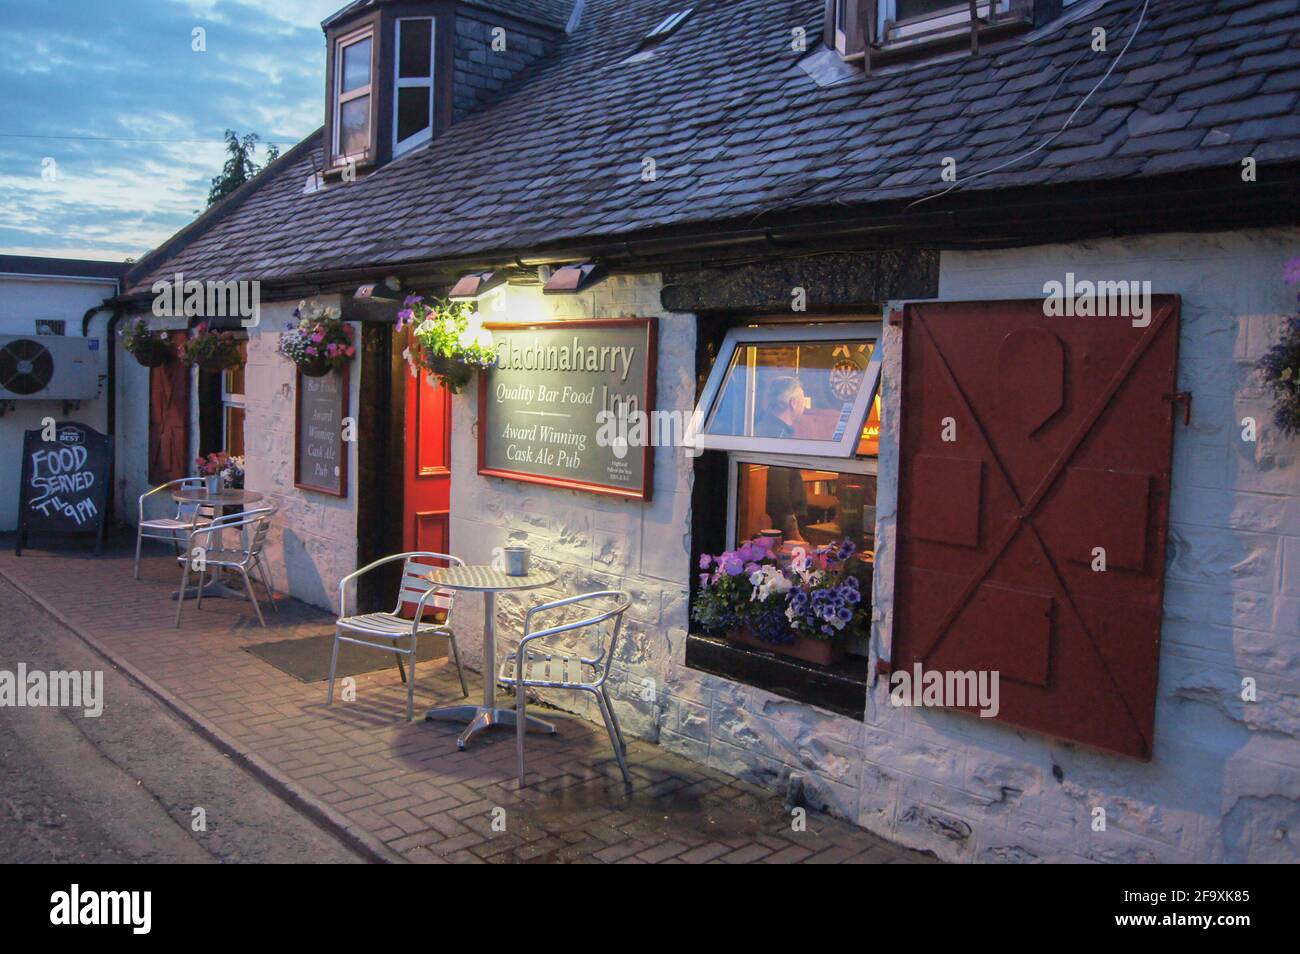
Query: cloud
point(82, 69)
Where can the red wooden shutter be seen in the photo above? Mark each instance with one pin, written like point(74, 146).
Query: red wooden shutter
point(169, 418)
point(1062, 443)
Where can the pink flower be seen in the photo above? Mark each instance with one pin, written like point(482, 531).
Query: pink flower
point(351, 350)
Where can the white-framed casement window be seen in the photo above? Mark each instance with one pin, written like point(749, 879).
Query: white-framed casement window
point(233, 405)
point(413, 84)
point(796, 408)
point(790, 389)
point(353, 94)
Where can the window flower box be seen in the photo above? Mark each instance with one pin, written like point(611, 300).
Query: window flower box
point(806, 606)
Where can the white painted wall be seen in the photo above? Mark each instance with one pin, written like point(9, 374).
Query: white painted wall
point(593, 542)
point(313, 543)
point(22, 302)
point(1224, 781)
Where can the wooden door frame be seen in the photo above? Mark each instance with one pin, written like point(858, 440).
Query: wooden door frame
point(381, 436)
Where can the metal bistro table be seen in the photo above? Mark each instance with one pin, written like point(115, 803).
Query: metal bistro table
point(220, 501)
point(489, 582)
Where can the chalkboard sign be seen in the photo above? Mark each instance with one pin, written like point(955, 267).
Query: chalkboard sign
point(538, 404)
point(64, 483)
point(320, 460)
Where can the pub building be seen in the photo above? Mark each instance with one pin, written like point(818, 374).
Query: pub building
point(820, 240)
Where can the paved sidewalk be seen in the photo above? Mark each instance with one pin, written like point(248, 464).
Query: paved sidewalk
point(403, 787)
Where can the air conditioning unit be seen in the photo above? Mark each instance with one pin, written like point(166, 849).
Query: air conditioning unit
point(48, 368)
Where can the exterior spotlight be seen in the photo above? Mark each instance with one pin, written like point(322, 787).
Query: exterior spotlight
point(571, 279)
point(373, 292)
point(476, 285)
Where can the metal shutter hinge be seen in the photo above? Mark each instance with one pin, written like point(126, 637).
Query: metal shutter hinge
point(1185, 399)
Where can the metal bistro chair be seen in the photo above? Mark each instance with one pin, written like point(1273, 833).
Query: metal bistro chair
point(253, 527)
point(175, 529)
point(543, 667)
point(393, 627)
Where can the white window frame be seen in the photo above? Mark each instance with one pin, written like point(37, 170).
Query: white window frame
point(957, 18)
point(414, 82)
point(340, 97)
point(856, 465)
point(231, 400)
point(840, 450)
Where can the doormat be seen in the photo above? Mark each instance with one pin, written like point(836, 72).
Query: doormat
point(308, 659)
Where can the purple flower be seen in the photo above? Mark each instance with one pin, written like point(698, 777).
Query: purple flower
point(731, 565)
point(1291, 273)
point(705, 561)
point(412, 300)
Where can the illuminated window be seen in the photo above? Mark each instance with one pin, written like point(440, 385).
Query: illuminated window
point(790, 390)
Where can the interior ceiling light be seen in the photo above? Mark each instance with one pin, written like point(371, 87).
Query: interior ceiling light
point(475, 285)
point(571, 279)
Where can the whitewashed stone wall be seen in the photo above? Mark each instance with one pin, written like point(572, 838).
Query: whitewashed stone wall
point(1224, 781)
point(594, 542)
point(314, 541)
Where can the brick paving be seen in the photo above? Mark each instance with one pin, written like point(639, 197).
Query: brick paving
point(406, 784)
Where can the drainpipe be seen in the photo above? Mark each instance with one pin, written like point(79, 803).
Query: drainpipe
point(110, 384)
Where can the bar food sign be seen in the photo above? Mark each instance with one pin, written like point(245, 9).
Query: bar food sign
point(540, 405)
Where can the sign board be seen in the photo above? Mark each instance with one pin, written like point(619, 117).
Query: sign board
point(538, 404)
point(320, 460)
point(65, 482)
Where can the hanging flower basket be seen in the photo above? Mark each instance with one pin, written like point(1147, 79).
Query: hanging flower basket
point(151, 349)
point(448, 341)
point(1280, 367)
point(212, 350)
point(807, 607)
point(319, 341)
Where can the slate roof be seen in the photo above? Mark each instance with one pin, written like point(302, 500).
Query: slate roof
point(739, 131)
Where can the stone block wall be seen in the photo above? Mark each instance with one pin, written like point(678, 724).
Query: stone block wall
point(593, 542)
point(482, 71)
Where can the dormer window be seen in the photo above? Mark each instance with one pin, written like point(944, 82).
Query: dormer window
point(354, 95)
point(878, 31)
point(413, 84)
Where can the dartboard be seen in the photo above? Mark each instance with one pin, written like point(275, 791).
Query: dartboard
point(25, 367)
point(845, 376)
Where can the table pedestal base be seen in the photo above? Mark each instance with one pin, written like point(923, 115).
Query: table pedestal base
point(481, 717)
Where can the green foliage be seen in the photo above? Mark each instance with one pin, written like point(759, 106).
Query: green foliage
point(239, 167)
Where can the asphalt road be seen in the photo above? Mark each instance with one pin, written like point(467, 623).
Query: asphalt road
point(124, 787)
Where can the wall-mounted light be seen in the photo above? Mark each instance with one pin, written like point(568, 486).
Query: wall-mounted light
point(379, 291)
point(475, 286)
point(571, 279)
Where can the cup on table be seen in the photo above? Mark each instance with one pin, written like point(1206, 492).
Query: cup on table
point(517, 560)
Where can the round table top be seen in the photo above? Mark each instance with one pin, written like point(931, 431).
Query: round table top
point(225, 498)
point(486, 579)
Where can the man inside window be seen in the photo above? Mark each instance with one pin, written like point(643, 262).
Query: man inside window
point(787, 498)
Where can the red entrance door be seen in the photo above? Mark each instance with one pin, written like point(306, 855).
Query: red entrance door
point(427, 484)
point(1033, 504)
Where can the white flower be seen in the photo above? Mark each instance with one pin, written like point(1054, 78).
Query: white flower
point(466, 339)
point(483, 339)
